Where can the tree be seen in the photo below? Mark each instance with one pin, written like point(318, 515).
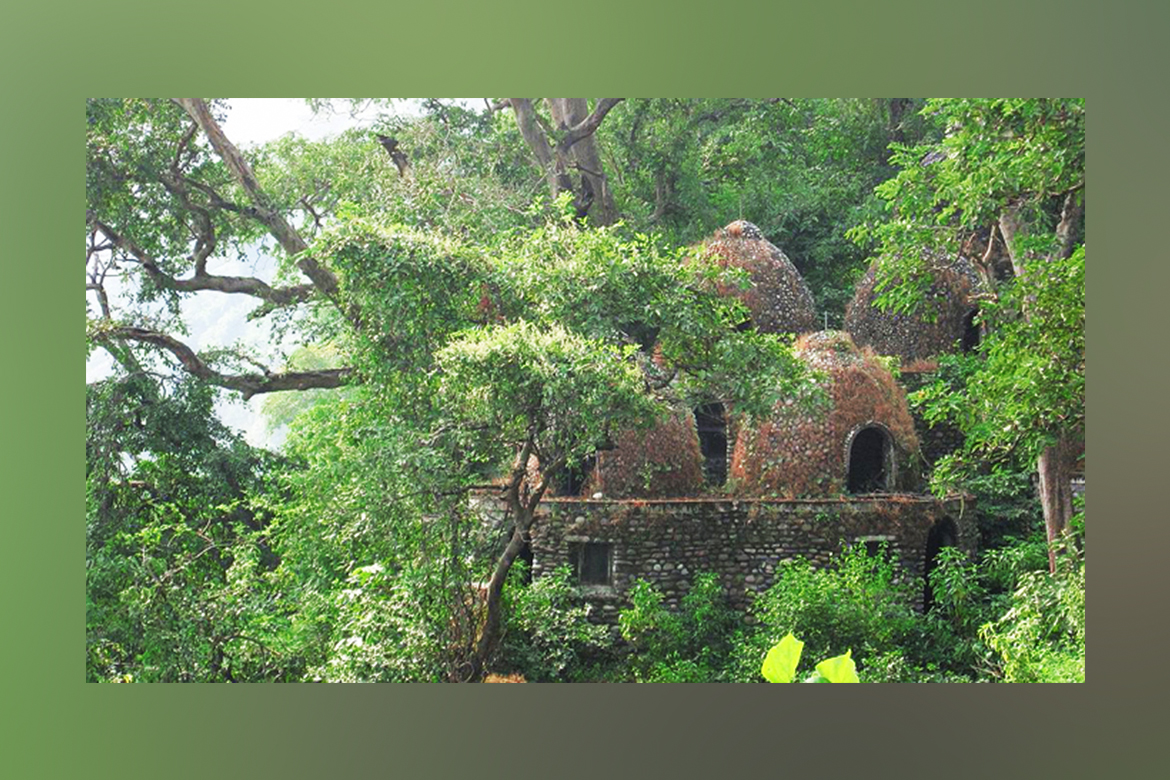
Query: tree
point(481, 353)
point(1005, 177)
point(569, 143)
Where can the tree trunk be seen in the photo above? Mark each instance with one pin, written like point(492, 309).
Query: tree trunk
point(593, 194)
point(1054, 466)
point(1055, 469)
point(572, 145)
point(493, 603)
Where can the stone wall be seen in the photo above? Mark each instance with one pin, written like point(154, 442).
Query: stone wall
point(937, 441)
point(667, 542)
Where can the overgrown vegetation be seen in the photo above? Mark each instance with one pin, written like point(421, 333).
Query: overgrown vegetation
point(461, 311)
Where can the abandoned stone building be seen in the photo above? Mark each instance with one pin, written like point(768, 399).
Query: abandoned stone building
point(704, 491)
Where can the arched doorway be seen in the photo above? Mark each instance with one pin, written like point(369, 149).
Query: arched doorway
point(943, 533)
point(711, 425)
point(970, 331)
point(871, 461)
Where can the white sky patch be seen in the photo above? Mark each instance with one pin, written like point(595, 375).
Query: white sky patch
point(254, 121)
point(217, 319)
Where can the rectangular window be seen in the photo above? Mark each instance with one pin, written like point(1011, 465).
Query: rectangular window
point(592, 563)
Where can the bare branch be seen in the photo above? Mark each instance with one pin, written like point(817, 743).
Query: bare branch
point(280, 296)
point(246, 384)
point(289, 239)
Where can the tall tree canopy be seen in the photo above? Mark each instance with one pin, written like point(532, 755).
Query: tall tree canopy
point(477, 340)
point(1004, 181)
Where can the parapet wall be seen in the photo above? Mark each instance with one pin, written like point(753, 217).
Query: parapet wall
point(668, 542)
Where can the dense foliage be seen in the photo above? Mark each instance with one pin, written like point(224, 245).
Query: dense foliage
point(455, 324)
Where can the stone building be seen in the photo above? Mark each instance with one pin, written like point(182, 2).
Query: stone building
point(945, 321)
point(707, 492)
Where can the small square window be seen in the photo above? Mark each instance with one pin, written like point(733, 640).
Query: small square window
point(592, 563)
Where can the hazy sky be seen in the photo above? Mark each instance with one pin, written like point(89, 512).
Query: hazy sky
point(218, 319)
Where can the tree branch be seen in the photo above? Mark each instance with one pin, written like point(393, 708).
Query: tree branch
point(396, 154)
point(588, 126)
point(280, 296)
point(246, 384)
point(324, 279)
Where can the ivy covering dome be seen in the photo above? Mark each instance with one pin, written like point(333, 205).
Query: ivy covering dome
point(860, 439)
point(779, 300)
point(660, 462)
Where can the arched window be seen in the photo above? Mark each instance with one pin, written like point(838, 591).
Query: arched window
point(942, 534)
point(970, 331)
point(571, 481)
point(870, 461)
point(711, 424)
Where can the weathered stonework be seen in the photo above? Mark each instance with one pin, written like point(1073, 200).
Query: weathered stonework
point(668, 542)
point(778, 298)
point(940, 322)
point(805, 453)
point(937, 440)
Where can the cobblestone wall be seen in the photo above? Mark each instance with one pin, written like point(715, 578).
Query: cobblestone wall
point(668, 542)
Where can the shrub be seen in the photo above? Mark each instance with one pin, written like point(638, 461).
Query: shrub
point(856, 604)
point(689, 645)
point(547, 634)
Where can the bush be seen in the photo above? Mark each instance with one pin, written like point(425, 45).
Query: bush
point(1041, 637)
point(547, 633)
point(856, 604)
point(383, 633)
point(685, 646)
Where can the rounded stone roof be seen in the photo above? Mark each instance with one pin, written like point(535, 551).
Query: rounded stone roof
point(779, 300)
point(661, 462)
point(941, 322)
point(803, 452)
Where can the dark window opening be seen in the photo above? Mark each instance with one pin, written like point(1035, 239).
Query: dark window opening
point(868, 457)
point(942, 534)
point(712, 427)
point(970, 331)
point(592, 563)
point(526, 556)
point(571, 481)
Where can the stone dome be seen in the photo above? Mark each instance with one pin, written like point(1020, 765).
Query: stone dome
point(779, 300)
point(859, 439)
point(942, 323)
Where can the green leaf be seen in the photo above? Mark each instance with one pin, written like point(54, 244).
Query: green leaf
point(839, 669)
point(780, 663)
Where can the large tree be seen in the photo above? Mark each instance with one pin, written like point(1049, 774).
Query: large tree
point(1004, 181)
point(486, 356)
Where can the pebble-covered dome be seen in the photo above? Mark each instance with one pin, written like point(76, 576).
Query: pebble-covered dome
point(942, 323)
point(861, 440)
point(661, 462)
point(779, 300)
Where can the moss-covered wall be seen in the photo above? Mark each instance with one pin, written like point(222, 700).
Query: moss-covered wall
point(668, 542)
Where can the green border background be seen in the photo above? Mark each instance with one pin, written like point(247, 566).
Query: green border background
point(57, 54)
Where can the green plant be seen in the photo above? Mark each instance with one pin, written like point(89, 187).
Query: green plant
point(781, 661)
point(689, 645)
point(547, 633)
point(857, 603)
